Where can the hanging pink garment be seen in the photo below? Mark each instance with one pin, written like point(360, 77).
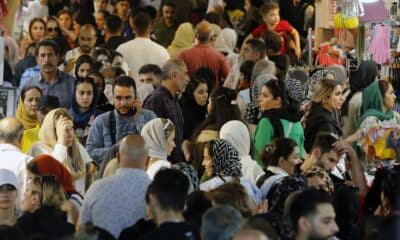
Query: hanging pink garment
point(380, 44)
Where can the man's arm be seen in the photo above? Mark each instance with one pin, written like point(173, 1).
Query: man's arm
point(155, 104)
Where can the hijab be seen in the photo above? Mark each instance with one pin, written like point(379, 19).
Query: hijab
point(312, 83)
point(225, 159)
point(339, 71)
point(237, 133)
point(22, 114)
point(226, 41)
point(191, 174)
point(154, 136)
point(81, 119)
point(256, 87)
point(184, 38)
point(295, 89)
point(372, 104)
point(47, 165)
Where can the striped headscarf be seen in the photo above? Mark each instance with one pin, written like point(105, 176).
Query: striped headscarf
point(225, 159)
point(190, 172)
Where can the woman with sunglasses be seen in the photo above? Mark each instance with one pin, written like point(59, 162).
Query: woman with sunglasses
point(42, 206)
point(8, 197)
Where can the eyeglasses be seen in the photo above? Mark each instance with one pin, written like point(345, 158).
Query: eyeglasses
point(7, 188)
point(52, 29)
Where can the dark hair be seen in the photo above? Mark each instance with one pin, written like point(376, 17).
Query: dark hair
point(150, 68)
point(169, 4)
point(27, 88)
point(170, 187)
point(305, 203)
point(256, 45)
point(124, 81)
point(272, 41)
point(47, 43)
point(101, 51)
point(212, 17)
point(31, 45)
point(33, 20)
point(105, 13)
point(58, 30)
point(247, 69)
point(324, 141)
point(196, 205)
point(84, 58)
point(11, 232)
point(142, 22)
point(187, 95)
point(66, 11)
point(391, 190)
point(208, 75)
point(114, 24)
point(278, 89)
point(268, 7)
point(280, 147)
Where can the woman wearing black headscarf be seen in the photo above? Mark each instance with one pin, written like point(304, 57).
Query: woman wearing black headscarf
point(366, 73)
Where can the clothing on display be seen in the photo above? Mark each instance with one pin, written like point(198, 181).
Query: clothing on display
point(380, 44)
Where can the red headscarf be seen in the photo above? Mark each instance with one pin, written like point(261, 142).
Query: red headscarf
point(47, 165)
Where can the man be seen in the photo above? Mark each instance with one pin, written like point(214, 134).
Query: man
point(116, 202)
point(52, 81)
point(204, 55)
point(142, 50)
point(11, 157)
point(87, 38)
point(166, 197)
point(220, 223)
point(123, 8)
point(164, 29)
point(164, 100)
point(149, 77)
point(127, 117)
point(311, 215)
point(113, 33)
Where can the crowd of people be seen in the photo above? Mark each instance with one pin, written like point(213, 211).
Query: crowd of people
point(181, 119)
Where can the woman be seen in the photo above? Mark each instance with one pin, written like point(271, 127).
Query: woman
point(222, 165)
point(280, 160)
point(57, 139)
point(8, 197)
point(84, 108)
point(226, 44)
point(65, 18)
point(53, 29)
point(322, 115)
point(366, 73)
point(37, 29)
point(84, 66)
point(238, 135)
point(46, 165)
point(280, 118)
point(42, 205)
point(28, 106)
point(159, 135)
point(312, 83)
point(184, 39)
point(102, 55)
point(318, 178)
point(194, 105)
point(222, 107)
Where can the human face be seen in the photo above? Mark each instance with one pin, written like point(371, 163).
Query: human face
point(68, 131)
point(31, 101)
point(272, 18)
point(31, 200)
point(123, 99)
point(51, 29)
point(8, 196)
point(316, 182)
point(65, 21)
point(336, 99)
point(248, 54)
point(87, 40)
point(123, 9)
point(389, 99)
point(322, 224)
point(200, 94)
point(170, 143)
point(99, 20)
point(98, 82)
point(103, 59)
point(101, 4)
point(84, 70)
point(168, 13)
point(267, 101)
point(329, 160)
point(290, 163)
point(37, 31)
point(207, 163)
point(117, 62)
point(47, 59)
point(84, 95)
point(149, 78)
point(182, 79)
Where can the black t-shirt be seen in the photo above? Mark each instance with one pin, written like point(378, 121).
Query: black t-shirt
point(172, 230)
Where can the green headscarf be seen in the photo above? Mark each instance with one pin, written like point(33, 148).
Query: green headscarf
point(372, 104)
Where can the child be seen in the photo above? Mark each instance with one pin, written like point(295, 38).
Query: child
point(270, 13)
point(273, 45)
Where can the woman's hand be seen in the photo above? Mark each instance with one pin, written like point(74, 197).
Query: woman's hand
point(63, 128)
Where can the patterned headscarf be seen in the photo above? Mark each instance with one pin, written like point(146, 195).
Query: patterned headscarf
point(225, 159)
point(295, 89)
point(283, 189)
point(191, 173)
point(311, 84)
point(321, 173)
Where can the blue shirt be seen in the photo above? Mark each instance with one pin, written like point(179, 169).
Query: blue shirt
point(116, 202)
point(33, 72)
point(99, 139)
point(63, 87)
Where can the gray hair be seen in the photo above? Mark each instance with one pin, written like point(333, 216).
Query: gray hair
point(172, 65)
point(11, 130)
point(221, 223)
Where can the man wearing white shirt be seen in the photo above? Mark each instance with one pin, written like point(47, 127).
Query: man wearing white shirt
point(142, 50)
point(11, 157)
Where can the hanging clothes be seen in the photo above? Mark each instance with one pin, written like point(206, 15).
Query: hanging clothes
point(380, 44)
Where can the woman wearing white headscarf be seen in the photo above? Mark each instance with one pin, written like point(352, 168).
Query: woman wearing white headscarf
point(237, 133)
point(226, 44)
point(159, 136)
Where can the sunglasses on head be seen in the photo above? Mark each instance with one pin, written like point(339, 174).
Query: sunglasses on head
point(52, 29)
